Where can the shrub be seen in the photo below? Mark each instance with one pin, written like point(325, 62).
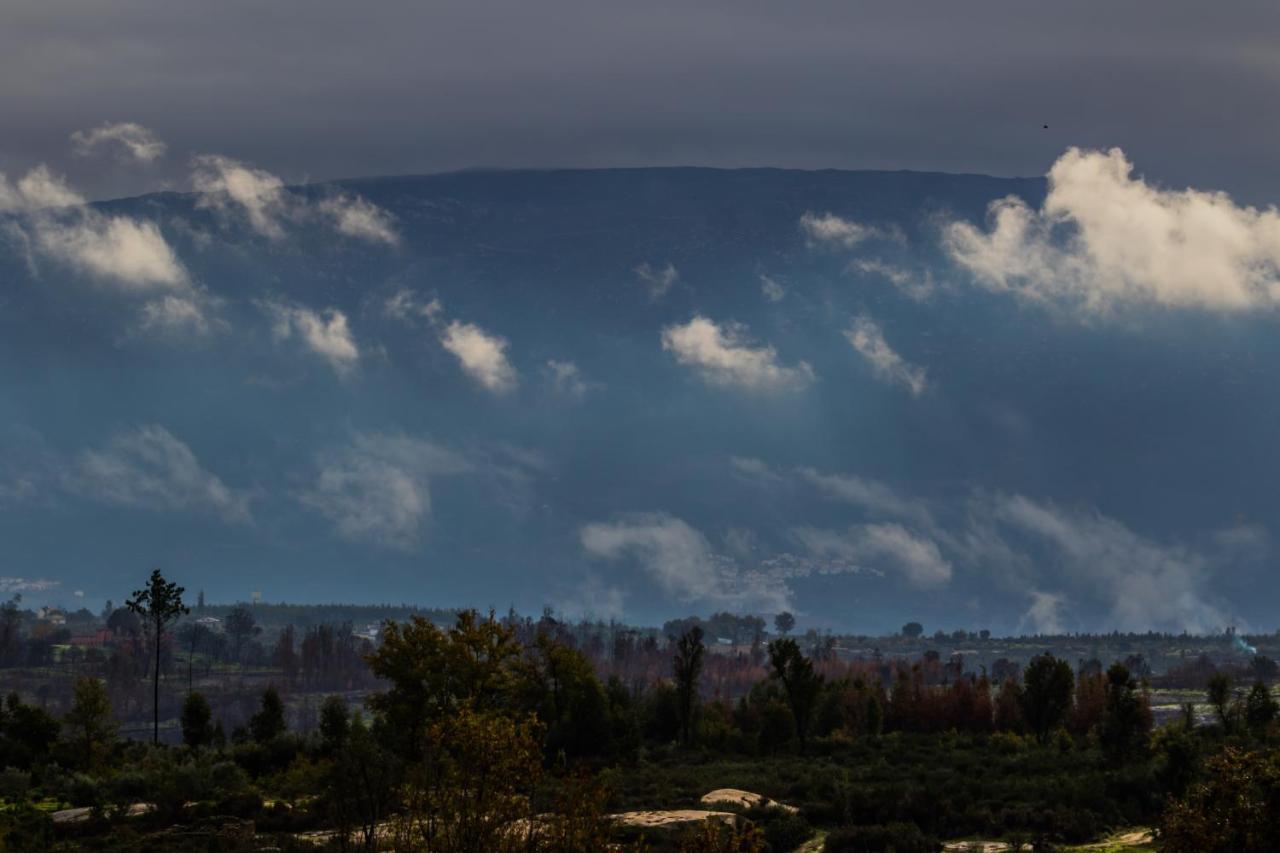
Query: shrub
point(14, 784)
point(880, 838)
point(27, 828)
point(785, 831)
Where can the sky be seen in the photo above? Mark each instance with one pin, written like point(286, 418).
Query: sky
point(1027, 386)
point(324, 89)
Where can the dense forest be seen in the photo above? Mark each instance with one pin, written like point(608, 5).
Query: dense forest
point(461, 731)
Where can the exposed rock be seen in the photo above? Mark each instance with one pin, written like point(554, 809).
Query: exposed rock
point(81, 814)
point(745, 799)
point(673, 818)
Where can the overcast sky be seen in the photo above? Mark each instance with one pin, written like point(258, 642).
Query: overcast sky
point(322, 89)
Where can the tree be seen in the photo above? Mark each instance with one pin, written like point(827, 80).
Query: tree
point(1259, 708)
point(559, 685)
point(434, 672)
point(800, 683)
point(157, 604)
point(1048, 684)
point(285, 656)
point(90, 720)
point(784, 622)
point(361, 786)
point(911, 630)
point(191, 635)
point(1126, 718)
point(268, 723)
point(687, 667)
point(335, 723)
point(240, 626)
point(471, 791)
point(1233, 811)
point(1219, 696)
point(197, 721)
point(29, 732)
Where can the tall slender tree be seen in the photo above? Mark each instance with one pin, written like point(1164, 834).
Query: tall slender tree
point(158, 604)
point(687, 667)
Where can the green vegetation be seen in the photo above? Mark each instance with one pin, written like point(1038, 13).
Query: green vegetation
point(509, 734)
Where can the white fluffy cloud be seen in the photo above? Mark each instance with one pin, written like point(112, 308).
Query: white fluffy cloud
point(130, 140)
point(326, 333)
point(658, 281)
point(916, 557)
point(866, 337)
point(681, 561)
point(1104, 238)
point(378, 489)
point(226, 184)
point(126, 252)
point(722, 356)
point(130, 253)
point(829, 229)
point(361, 219)
point(36, 190)
point(483, 356)
point(149, 467)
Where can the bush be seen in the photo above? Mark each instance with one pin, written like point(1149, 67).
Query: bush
point(881, 838)
point(82, 790)
point(14, 784)
point(785, 831)
point(27, 828)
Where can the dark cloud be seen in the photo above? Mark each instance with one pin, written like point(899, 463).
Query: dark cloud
point(323, 88)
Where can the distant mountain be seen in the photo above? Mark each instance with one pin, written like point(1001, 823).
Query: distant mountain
point(642, 392)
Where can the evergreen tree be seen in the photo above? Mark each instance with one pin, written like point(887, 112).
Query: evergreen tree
point(158, 604)
point(268, 724)
point(1048, 685)
point(1126, 719)
point(197, 725)
point(1259, 707)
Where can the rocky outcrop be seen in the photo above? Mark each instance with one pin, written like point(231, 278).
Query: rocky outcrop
point(744, 799)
